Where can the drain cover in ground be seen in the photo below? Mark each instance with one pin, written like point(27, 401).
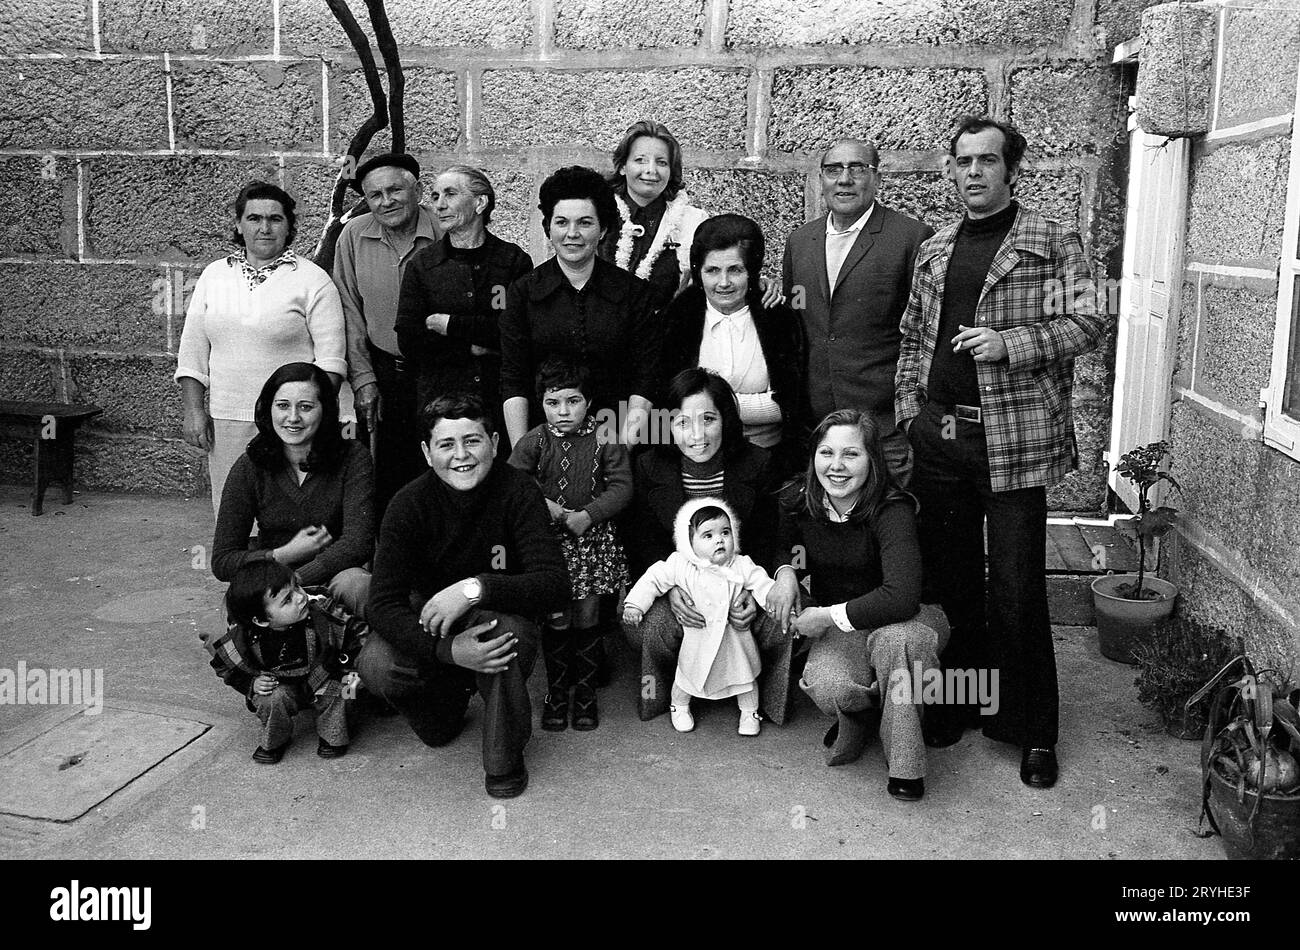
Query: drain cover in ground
point(68, 770)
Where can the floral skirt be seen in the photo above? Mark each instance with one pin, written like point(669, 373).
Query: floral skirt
point(595, 560)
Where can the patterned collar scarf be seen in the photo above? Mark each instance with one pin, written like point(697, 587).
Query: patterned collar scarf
point(587, 428)
point(254, 276)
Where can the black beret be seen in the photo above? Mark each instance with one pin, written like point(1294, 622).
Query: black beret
point(388, 159)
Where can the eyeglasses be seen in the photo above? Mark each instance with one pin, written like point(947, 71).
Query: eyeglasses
point(856, 169)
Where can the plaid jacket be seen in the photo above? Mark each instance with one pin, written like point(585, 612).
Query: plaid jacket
point(1039, 295)
point(237, 656)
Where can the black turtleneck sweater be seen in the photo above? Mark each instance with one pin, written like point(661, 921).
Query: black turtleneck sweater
point(433, 535)
point(953, 378)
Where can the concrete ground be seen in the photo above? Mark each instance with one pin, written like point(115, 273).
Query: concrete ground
point(120, 582)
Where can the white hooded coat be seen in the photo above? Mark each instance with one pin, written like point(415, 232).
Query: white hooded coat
point(717, 661)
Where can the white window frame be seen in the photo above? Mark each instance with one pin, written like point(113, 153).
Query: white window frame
point(1282, 431)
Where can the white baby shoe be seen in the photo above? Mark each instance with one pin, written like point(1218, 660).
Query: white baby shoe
point(750, 723)
point(682, 719)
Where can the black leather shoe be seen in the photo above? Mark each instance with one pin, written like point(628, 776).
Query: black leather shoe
point(508, 785)
point(327, 751)
point(1038, 767)
point(269, 756)
point(555, 711)
point(907, 789)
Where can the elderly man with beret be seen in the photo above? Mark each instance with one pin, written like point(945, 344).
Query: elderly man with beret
point(370, 259)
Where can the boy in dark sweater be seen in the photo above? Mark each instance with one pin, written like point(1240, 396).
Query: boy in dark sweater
point(283, 651)
point(466, 565)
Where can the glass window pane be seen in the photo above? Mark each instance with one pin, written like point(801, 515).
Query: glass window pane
point(1291, 391)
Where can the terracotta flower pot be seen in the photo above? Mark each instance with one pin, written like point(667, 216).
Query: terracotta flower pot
point(1122, 623)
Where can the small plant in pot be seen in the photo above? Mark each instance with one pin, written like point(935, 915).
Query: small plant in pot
point(1251, 777)
point(1181, 657)
point(1127, 606)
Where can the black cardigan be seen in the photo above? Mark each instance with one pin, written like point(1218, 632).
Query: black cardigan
point(746, 487)
point(434, 535)
point(780, 336)
point(436, 281)
point(609, 325)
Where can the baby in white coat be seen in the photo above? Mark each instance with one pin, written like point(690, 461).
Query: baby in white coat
point(717, 661)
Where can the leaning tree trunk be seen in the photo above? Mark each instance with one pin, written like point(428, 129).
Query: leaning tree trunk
point(381, 110)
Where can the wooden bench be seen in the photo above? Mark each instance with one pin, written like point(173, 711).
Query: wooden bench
point(54, 427)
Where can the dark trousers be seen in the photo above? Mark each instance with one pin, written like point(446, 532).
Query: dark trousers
point(434, 696)
point(398, 458)
point(1005, 625)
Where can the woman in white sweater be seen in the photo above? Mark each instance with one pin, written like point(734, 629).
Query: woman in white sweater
point(251, 312)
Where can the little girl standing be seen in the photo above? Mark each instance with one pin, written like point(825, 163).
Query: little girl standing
point(719, 660)
point(586, 481)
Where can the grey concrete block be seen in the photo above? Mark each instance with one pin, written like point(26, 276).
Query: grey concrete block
point(1242, 492)
point(135, 392)
point(1085, 488)
point(516, 191)
point(1119, 20)
point(251, 107)
point(774, 200)
point(1237, 204)
point(1174, 85)
point(307, 27)
point(937, 23)
point(225, 27)
point(83, 104)
point(704, 107)
point(312, 185)
point(27, 374)
point(431, 108)
point(111, 306)
point(1094, 373)
point(895, 108)
point(50, 26)
point(1188, 317)
point(1069, 599)
point(178, 209)
point(1057, 196)
point(1066, 107)
point(1211, 596)
point(926, 196)
point(613, 24)
point(42, 214)
point(154, 466)
point(1236, 341)
point(1260, 50)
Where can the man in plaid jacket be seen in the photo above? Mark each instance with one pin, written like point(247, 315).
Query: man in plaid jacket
point(1001, 303)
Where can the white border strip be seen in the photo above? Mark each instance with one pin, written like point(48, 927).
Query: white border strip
point(1274, 123)
point(171, 110)
point(1229, 270)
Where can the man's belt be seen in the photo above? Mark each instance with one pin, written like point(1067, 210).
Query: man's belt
point(962, 413)
point(383, 356)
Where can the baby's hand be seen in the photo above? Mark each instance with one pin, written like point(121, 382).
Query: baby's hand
point(632, 615)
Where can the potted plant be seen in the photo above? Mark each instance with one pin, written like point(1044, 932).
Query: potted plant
point(1251, 780)
point(1128, 606)
point(1181, 657)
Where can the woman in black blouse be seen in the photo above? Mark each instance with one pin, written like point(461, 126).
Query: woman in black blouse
point(852, 531)
point(454, 291)
point(581, 308)
point(309, 490)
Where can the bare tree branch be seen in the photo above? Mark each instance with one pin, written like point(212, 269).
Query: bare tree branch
point(393, 64)
point(323, 254)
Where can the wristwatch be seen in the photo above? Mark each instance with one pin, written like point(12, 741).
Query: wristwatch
point(473, 590)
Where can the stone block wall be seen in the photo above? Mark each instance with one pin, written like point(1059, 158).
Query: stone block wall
point(127, 126)
point(1237, 549)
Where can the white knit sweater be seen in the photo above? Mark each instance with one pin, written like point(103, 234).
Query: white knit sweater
point(235, 338)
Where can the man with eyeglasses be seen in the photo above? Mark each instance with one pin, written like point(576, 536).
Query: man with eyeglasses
point(1001, 304)
point(847, 274)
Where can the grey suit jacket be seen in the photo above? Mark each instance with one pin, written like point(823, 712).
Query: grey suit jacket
point(852, 334)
